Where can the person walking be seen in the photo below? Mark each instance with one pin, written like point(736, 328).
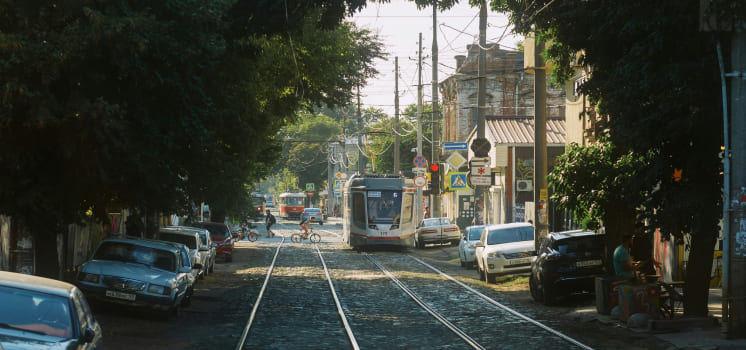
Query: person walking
point(269, 221)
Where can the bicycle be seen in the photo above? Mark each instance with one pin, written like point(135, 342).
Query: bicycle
point(310, 235)
point(251, 236)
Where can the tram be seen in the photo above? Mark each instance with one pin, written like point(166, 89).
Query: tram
point(378, 211)
point(258, 200)
point(291, 204)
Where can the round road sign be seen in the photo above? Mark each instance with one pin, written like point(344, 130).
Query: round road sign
point(420, 181)
point(420, 161)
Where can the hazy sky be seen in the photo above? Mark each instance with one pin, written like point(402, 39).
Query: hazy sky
point(399, 23)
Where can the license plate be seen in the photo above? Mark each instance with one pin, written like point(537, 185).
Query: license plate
point(585, 263)
point(519, 261)
point(120, 295)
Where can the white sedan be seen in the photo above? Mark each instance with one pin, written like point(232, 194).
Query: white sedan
point(436, 230)
point(504, 249)
point(466, 246)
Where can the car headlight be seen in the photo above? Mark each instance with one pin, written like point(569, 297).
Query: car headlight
point(495, 255)
point(88, 277)
point(156, 289)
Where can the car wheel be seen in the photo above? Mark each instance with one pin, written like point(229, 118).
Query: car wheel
point(489, 278)
point(229, 258)
point(321, 223)
point(547, 295)
point(420, 244)
point(532, 287)
point(479, 271)
point(463, 264)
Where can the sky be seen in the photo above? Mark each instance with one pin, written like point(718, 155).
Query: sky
point(398, 24)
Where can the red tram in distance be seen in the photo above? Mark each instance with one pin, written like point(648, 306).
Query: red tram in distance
point(291, 204)
point(258, 203)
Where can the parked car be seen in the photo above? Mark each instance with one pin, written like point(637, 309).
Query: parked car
point(436, 230)
point(207, 247)
point(189, 237)
point(567, 262)
point(504, 249)
point(221, 236)
point(466, 246)
point(315, 212)
point(43, 313)
point(150, 274)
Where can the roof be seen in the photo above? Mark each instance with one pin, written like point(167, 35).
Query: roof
point(520, 129)
point(42, 284)
point(509, 225)
point(572, 234)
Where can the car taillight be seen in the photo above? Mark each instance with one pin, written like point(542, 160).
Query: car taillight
point(451, 229)
point(429, 231)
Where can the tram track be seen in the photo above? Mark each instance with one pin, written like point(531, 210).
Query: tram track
point(345, 302)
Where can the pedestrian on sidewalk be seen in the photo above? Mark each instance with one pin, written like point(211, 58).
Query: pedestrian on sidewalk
point(269, 221)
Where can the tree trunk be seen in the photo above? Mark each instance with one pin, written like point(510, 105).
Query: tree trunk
point(698, 272)
point(618, 221)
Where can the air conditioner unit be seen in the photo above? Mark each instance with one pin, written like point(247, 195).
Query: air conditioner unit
point(524, 185)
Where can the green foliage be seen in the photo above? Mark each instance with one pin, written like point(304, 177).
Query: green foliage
point(383, 139)
point(158, 105)
point(587, 179)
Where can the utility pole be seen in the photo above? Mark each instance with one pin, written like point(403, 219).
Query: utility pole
point(435, 207)
point(479, 214)
point(396, 115)
point(418, 205)
point(360, 162)
point(541, 199)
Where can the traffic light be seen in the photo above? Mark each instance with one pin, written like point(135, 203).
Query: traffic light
point(435, 178)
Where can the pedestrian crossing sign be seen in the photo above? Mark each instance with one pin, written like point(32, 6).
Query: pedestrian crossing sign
point(456, 181)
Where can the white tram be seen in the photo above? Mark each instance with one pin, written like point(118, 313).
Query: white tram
point(378, 211)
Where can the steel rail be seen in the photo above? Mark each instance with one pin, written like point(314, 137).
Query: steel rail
point(340, 311)
point(515, 313)
point(473, 343)
point(259, 297)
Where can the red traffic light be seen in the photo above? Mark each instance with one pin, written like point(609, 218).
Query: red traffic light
point(434, 167)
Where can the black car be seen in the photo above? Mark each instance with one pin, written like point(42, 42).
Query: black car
point(567, 262)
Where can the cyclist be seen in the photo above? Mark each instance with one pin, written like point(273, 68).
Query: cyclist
point(306, 224)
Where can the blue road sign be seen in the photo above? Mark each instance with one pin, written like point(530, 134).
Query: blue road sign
point(420, 161)
point(454, 145)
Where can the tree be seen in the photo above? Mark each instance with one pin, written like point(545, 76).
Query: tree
point(656, 76)
point(158, 105)
point(384, 139)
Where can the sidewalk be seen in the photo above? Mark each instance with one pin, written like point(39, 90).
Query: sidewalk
point(692, 334)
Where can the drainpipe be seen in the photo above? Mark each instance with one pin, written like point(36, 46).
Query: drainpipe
point(726, 201)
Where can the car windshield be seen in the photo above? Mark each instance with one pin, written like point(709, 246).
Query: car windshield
point(475, 232)
point(188, 241)
point(383, 205)
point(35, 312)
point(436, 222)
point(133, 253)
point(313, 211)
point(581, 246)
point(215, 230)
point(203, 235)
point(509, 235)
point(293, 201)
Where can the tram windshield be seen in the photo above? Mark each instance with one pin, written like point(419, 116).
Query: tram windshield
point(292, 201)
point(384, 205)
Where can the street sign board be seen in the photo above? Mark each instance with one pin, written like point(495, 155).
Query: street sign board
point(456, 160)
point(309, 187)
point(457, 181)
point(310, 193)
point(454, 145)
point(481, 172)
point(420, 161)
point(420, 181)
point(419, 171)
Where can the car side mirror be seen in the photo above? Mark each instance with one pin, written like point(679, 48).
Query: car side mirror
point(479, 244)
point(197, 266)
point(88, 335)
